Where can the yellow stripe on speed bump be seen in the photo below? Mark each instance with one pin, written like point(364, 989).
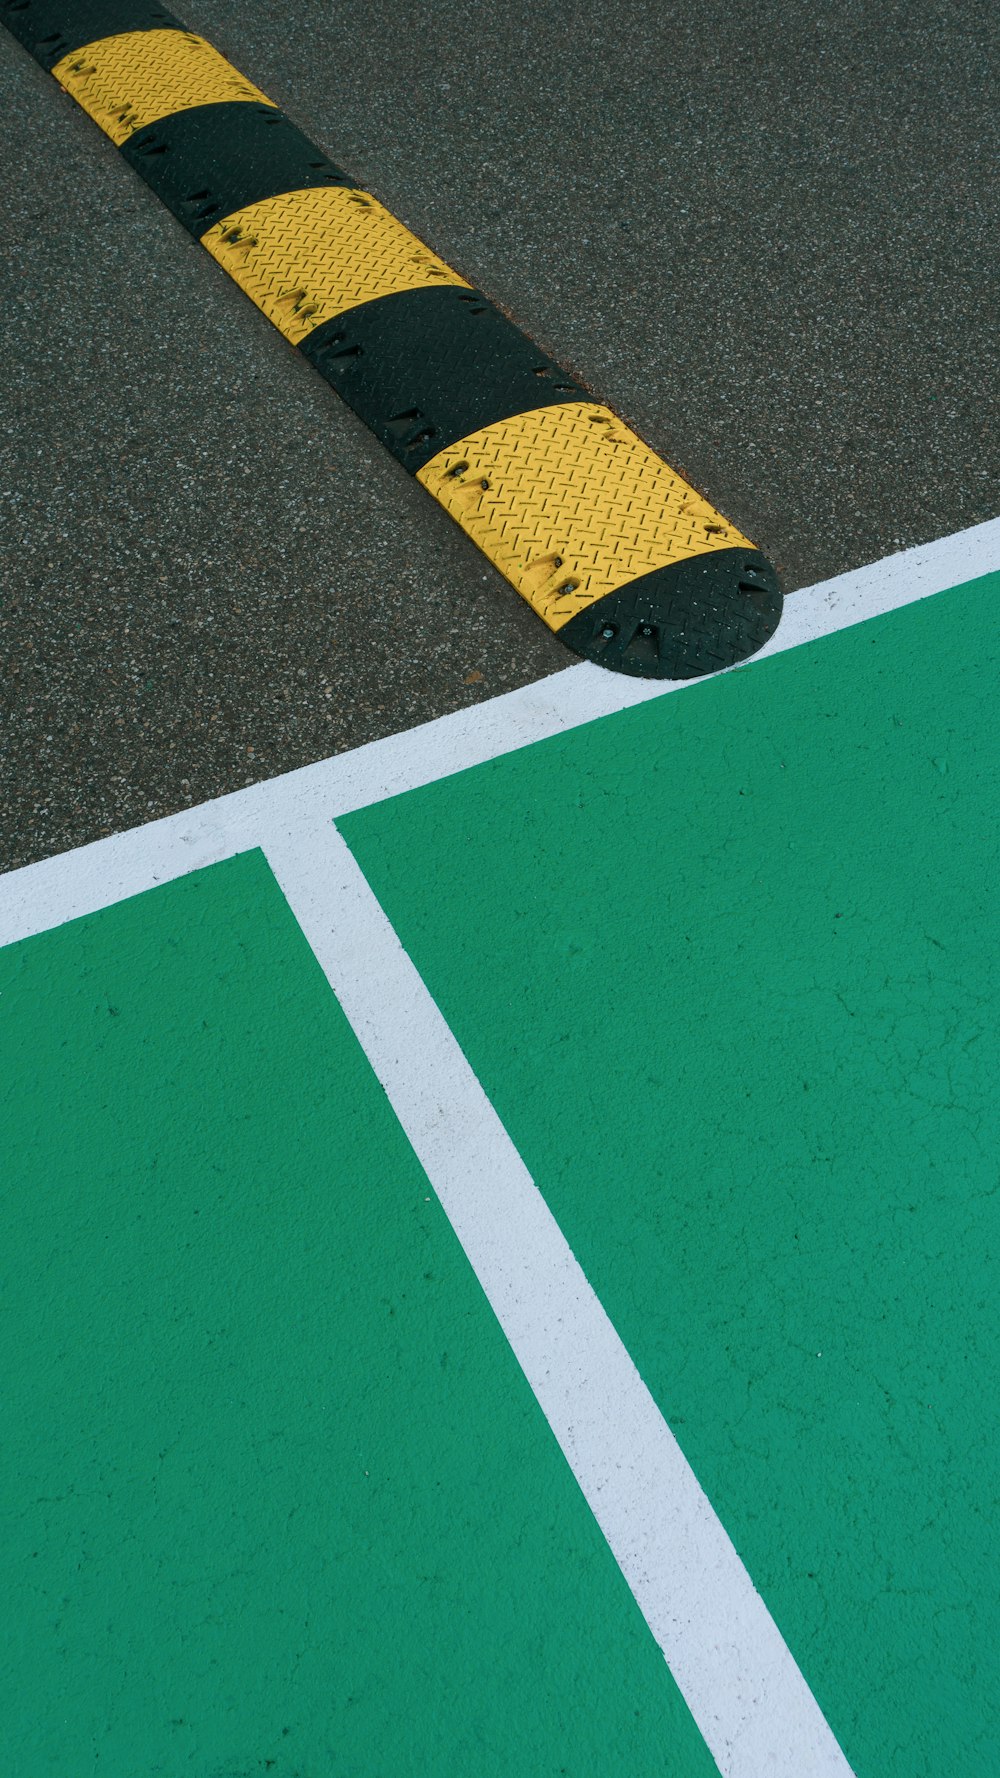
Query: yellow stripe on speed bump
point(570, 504)
point(607, 543)
point(307, 256)
point(134, 79)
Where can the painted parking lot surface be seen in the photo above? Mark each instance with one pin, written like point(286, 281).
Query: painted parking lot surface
point(282, 1499)
point(724, 968)
point(712, 973)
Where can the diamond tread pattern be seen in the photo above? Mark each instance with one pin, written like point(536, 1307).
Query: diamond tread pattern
point(51, 28)
point(426, 367)
point(307, 256)
point(603, 539)
point(215, 159)
point(126, 82)
point(570, 505)
point(691, 618)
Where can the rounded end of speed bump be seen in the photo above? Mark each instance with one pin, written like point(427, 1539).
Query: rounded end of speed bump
point(613, 549)
point(684, 620)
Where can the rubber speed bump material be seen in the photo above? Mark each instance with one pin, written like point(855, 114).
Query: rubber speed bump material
point(614, 550)
point(308, 255)
point(571, 505)
point(210, 161)
point(690, 617)
point(50, 28)
point(425, 369)
point(128, 81)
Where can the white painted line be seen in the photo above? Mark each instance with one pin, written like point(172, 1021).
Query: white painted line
point(740, 1682)
point(90, 877)
point(745, 1692)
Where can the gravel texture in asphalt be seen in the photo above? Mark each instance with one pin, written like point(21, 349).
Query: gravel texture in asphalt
point(766, 235)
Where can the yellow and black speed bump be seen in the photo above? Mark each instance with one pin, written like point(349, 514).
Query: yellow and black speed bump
point(214, 159)
point(51, 28)
point(426, 367)
point(613, 549)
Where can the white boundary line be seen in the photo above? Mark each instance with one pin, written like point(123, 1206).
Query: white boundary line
point(739, 1680)
point(91, 877)
point(744, 1690)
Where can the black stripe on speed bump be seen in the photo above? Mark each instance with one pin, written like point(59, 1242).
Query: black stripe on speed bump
point(51, 28)
point(683, 620)
point(213, 159)
point(429, 367)
point(424, 368)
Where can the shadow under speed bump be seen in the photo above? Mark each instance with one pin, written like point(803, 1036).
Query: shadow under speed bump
point(614, 551)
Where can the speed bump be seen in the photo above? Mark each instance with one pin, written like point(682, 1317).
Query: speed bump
point(612, 548)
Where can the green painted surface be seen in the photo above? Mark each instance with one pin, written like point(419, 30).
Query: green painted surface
point(723, 966)
point(280, 1499)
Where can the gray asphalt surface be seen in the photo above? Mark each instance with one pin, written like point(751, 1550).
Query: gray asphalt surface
point(765, 233)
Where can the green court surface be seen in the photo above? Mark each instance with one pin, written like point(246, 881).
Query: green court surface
point(279, 1495)
point(724, 964)
point(280, 1499)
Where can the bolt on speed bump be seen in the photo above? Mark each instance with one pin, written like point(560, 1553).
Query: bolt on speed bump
point(615, 552)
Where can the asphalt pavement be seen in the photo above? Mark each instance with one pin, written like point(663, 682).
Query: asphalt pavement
point(765, 234)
